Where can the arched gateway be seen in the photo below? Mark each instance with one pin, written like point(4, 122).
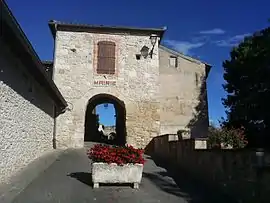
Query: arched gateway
point(152, 88)
point(91, 122)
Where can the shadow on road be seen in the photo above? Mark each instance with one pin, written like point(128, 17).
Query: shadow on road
point(86, 178)
point(185, 186)
point(166, 184)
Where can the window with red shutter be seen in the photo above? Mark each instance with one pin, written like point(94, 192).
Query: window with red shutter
point(106, 57)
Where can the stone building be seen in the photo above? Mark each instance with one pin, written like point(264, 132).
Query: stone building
point(183, 94)
point(46, 105)
point(130, 81)
point(29, 100)
point(153, 94)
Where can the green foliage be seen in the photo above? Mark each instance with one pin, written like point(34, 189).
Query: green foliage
point(247, 77)
point(226, 137)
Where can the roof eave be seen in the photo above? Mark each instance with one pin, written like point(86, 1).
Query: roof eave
point(55, 26)
point(12, 25)
point(46, 62)
point(208, 69)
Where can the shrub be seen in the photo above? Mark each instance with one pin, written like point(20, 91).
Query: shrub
point(115, 154)
point(228, 137)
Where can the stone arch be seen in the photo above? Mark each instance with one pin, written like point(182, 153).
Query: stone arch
point(91, 120)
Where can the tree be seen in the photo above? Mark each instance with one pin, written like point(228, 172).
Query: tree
point(247, 82)
point(226, 138)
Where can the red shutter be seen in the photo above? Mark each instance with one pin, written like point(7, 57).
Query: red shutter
point(106, 57)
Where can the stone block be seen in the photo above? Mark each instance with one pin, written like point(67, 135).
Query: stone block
point(172, 138)
point(200, 144)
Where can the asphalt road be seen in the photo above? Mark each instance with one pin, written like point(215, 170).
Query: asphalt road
point(68, 180)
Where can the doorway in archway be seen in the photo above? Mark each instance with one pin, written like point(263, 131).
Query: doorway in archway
point(105, 120)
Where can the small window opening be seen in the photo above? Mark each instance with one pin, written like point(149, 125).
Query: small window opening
point(196, 79)
point(173, 61)
point(138, 56)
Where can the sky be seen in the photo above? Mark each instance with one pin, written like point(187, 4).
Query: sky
point(203, 29)
point(106, 114)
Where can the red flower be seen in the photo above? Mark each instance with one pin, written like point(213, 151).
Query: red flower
point(118, 155)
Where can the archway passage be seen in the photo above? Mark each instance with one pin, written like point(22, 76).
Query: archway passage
point(92, 125)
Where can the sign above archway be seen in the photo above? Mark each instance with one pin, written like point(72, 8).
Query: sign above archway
point(104, 82)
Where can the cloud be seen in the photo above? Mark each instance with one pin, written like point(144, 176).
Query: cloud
point(215, 31)
point(232, 41)
point(201, 39)
point(183, 46)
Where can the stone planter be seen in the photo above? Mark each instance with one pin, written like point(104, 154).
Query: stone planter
point(113, 173)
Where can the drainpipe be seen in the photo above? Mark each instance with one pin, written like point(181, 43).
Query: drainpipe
point(54, 127)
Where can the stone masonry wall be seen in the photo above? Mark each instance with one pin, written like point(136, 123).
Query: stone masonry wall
point(26, 116)
point(234, 172)
point(183, 100)
point(136, 83)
